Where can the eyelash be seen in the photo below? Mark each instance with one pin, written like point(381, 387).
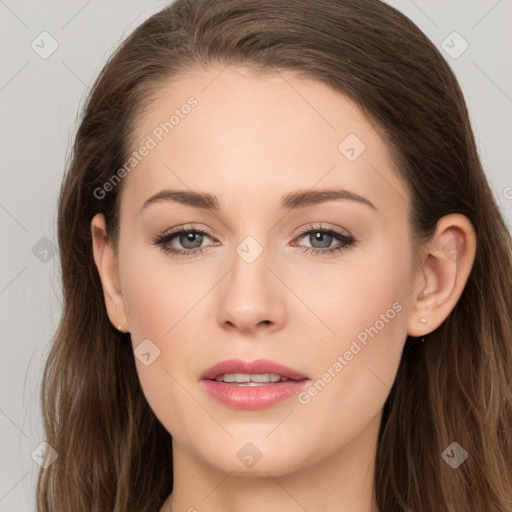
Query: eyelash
point(164, 238)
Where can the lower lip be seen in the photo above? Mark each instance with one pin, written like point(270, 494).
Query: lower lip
point(253, 397)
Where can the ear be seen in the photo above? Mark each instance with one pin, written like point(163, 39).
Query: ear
point(107, 265)
point(443, 272)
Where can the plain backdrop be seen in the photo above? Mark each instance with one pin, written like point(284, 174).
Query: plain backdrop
point(50, 53)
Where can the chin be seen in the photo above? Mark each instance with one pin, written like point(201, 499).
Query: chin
point(256, 458)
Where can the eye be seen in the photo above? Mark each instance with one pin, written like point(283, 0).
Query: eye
point(322, 238)
point(192, 239)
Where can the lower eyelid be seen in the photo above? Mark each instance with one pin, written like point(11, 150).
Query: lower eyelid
point(344, 241)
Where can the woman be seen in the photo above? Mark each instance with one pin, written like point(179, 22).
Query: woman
point(287, 283)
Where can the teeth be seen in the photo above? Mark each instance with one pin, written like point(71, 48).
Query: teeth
point(250, 380)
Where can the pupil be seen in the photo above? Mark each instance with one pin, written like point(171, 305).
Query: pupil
point(193, 238)
point(318, 238)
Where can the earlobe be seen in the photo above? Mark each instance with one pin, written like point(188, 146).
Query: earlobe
point(443, 274)
point(106, 264)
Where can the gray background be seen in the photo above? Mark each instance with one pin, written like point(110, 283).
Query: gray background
point(39, 103)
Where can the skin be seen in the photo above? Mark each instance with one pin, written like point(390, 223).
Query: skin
point(251, 139)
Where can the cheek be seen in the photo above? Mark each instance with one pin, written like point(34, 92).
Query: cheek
point(157, 293)
point(352, 295)
point(154, 310)
point(371, 313)
point(163, 305)
point(366, 310)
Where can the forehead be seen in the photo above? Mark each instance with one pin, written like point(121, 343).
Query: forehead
point(229, 131)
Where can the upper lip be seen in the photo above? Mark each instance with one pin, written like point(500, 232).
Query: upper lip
point(258, 366)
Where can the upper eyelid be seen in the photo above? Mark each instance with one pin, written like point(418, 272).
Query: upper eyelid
point(338, 231)
point(171, 233)
point(301, 230)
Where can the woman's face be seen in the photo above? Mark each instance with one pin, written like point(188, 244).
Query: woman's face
point(287, 165)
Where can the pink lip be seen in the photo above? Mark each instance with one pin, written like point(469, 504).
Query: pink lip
point(252, 397)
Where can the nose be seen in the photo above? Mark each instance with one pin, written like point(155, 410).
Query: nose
point(251, 298)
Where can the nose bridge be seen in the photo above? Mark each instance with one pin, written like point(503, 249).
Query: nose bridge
point(250, 294)
point(250, 276)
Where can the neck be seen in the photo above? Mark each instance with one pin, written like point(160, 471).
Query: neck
point(342, 481)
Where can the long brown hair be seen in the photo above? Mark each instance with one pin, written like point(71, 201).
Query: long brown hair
point(113, 453)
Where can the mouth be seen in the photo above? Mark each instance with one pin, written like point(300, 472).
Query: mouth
point(259, 370)
point(255, 379)
point(252, 385)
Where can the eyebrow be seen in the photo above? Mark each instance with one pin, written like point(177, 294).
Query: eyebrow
point(291, 201)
